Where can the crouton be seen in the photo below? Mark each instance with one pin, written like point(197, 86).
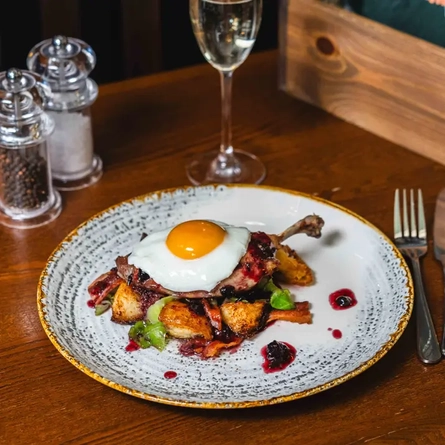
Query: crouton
point(241, 317)
point(182, 322)
point(127, 305)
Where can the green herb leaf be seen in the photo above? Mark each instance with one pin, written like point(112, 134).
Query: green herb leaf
point(156, 333)
point(147, 334)
point(270, 286)
point(143, 342)
point(102, 307)
point(136, 330)
point(280, 298)
point(155, 309)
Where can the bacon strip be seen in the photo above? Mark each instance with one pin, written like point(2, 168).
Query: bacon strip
point(300, 314)
point(192, 346)
point(213, 313)
point(214, 348)
point(103, 285)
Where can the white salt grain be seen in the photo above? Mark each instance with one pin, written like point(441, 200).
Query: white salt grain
point(71, 145)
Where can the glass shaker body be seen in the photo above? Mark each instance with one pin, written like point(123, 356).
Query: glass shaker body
point(64, 64)
point(73, 162)
point(27, 198)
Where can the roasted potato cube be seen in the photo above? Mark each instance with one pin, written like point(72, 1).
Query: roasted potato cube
point(127, 307)
point(241, 317)
point(181, 322)
point(292, 269)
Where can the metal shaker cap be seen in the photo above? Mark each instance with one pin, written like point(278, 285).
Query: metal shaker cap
point(65, 64)
point(23, 121)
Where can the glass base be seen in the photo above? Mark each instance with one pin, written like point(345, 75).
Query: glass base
point(79, 183)
point(50, 214)
point(214, 168)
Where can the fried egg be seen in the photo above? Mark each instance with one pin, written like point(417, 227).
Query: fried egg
point(194, 255)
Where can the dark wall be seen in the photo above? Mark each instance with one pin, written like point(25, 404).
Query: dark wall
point(180, 48)
point(100, 26)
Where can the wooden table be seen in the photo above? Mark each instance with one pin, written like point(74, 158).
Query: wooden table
point(145, 130)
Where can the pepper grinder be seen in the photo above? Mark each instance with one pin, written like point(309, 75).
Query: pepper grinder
point(27, 198)
point(64, 64)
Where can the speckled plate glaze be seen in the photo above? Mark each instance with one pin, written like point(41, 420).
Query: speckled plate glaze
point(351, 254)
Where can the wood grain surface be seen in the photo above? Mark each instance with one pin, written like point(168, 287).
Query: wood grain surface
point(371, 75)
point(145, 130)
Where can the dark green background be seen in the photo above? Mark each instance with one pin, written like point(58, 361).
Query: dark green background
point(416, 17)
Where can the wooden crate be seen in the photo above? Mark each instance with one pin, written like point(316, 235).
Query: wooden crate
point(368, 74)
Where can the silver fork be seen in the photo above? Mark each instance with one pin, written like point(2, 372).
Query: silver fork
point(410, 238)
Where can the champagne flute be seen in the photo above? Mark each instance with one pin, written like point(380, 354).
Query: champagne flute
point(226, 31)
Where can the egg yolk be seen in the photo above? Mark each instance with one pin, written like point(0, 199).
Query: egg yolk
point(194, 239)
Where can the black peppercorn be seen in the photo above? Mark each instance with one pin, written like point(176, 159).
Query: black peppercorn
point(23, 178)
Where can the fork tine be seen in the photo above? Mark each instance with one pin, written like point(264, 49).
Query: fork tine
point(421, 215)
point(413, 214)
point(397, 221)
point(405, 216)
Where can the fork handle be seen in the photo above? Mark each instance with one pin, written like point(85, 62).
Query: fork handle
point(428, 346)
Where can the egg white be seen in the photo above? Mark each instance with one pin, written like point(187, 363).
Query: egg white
point(176, 274)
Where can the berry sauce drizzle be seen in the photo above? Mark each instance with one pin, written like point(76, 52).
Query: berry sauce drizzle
point(342, 299)
point(132, 346)
point(277, 356)
point(90, 303)
point(170, 375)
point(336, 333)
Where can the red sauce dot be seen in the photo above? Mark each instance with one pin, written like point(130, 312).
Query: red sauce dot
point(329, 329)
point(132, 346)
point(336, 333)
point(170, 375)
point(342, 299)
point(91, 303)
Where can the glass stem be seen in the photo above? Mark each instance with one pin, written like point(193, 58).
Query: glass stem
point(226, 149)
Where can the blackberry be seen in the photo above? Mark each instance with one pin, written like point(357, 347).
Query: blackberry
point(343, 301)
point(278, 354)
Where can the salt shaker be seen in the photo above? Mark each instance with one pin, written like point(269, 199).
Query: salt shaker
point(27, 198)
point(65, 63)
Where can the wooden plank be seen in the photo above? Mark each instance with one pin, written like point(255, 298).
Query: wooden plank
point(60, 17)
point(141, 36)
point(377, 78)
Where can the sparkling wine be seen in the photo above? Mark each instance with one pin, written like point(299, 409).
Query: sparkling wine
point(226, 30)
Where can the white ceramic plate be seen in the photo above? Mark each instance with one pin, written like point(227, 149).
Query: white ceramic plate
point(351, 254)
